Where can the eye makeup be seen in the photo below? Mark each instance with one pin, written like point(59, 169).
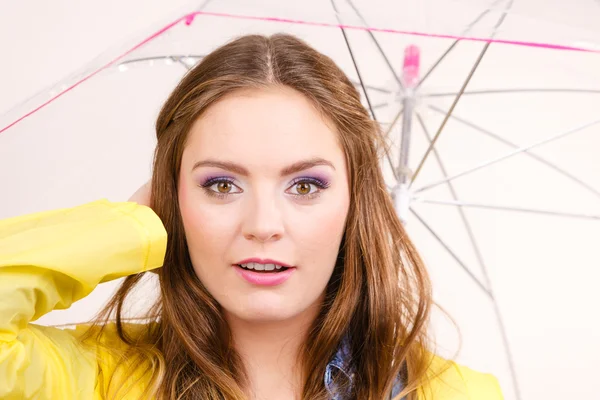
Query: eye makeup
point(210, 181)
point(319, 182)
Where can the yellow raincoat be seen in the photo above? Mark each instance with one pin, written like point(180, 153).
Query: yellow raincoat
point(50, 260)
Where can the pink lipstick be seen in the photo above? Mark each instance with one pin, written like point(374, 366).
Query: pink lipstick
point(264, 272)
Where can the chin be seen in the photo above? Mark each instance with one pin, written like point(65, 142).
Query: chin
point(271, 307)
point(263, 309)
point(267, 313)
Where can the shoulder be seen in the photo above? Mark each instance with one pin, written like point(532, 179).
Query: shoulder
point(448, 380)
point(108, 335)
point(120, 366)
point(105, 342)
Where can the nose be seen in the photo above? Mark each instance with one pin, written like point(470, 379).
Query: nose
point(264, 219)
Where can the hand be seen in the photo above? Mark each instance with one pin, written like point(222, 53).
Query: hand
point(142, 195)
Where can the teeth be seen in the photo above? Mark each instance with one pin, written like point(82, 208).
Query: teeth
point(261, 267)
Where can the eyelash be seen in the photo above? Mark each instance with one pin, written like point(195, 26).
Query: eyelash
point(321, 185)
point(210, 182)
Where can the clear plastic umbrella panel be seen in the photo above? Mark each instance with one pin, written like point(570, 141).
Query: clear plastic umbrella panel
point(491, 113)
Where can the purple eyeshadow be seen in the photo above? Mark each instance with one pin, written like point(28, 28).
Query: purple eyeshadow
point(212, 179)
point(320, 180)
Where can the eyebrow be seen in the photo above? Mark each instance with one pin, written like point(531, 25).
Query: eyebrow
point(290, 169)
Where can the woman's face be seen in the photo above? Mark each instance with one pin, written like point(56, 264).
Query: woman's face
point(263, 193)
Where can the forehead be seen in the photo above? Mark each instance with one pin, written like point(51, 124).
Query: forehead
point(275, 124)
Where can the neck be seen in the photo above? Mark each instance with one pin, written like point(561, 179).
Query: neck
point(270, 351)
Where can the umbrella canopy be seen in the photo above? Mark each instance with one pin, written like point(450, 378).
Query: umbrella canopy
point(491, 112)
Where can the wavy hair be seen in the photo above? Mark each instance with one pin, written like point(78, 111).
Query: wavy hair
point(379, 295)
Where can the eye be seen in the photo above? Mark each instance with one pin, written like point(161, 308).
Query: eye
point(220, 187)
point(307, 187)
point(304, 187)
point(224, 187)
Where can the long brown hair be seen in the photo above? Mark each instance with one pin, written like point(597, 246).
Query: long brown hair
point(379, 294)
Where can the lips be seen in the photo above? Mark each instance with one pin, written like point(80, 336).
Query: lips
point(261, 264)
point(266, 268)
point(264, 272)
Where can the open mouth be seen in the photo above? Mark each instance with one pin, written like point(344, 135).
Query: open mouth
point(263, 268)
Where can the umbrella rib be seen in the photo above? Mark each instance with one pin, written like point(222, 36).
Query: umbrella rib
point(516, 90)
point(359, 75)
point(498, 314)
point(180, 62)
point(380, 105)
point(508, 155)
point(489, 292)
point(461, 211)
point(373, 88)
point(455, 197)
point(386, 137)
point(166, 57)
point(515, 146)
point(476, 248)
point(455, 42)
point(502, 17)
point(449, 113)
point(394, 122)
point(362, 83)
point(507, 208)
point(437, 63)
point(453, 254)
point(459, 95)
point(386, 59)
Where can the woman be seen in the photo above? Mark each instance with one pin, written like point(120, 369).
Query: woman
point(286, 273)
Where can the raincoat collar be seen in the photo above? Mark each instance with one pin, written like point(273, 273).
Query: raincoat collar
point(341, 368)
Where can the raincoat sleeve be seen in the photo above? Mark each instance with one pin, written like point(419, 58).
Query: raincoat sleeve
point(451, 381)
point(50, 260)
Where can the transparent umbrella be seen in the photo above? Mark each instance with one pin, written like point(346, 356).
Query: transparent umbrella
point(491, 113)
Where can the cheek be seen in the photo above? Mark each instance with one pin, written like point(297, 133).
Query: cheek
point(319, 235)
point(326, 230)
point(207, 228)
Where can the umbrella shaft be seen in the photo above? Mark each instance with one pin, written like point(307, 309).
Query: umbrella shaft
point(404, 172)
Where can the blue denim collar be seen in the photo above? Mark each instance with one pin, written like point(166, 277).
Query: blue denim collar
point(341, 368)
